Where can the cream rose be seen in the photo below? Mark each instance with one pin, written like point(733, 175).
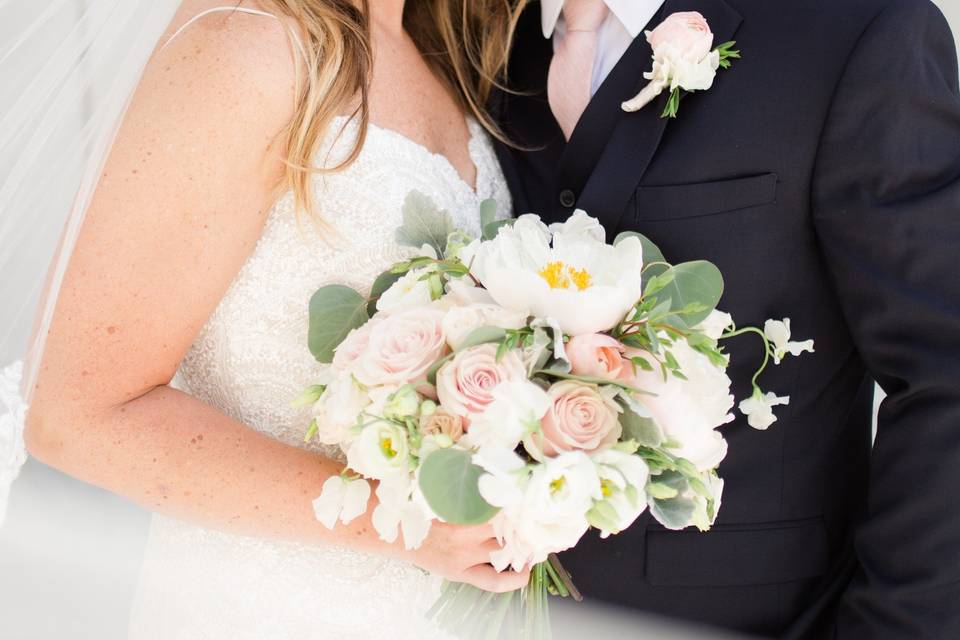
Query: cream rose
point(581, 417)
point(465, 384)
point(460, 322)
point(598, 356)
point(402, 348)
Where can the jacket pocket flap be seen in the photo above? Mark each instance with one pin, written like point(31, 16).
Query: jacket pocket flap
point(705, 198)
point(733, 555)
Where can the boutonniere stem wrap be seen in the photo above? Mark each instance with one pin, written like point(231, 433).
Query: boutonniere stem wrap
point(683, 60)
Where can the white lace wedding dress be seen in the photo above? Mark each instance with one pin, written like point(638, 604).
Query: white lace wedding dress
point(250, 361)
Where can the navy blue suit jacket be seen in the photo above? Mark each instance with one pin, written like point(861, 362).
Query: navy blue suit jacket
point(822, 175)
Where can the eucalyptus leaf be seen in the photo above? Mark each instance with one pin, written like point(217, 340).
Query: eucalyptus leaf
point(488, 212)
point(697, 282)
point(674, 513)
point(651, 254)
point(482, 335)
point(424, 223)
point(491, 229)
point(642, 429)
point(383, 282)
point(449, 482)
point(335, 311)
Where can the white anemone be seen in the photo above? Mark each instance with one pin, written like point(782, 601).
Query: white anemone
point(567, 272)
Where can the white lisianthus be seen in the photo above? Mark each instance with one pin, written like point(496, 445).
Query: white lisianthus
point(410, 291)
point(570, 275)
point(381, 451)
point(341, 499)
point(401, 509)
point(716, 324)
point(338, 408)
point(759, 408)
point(548, 515)
point(778, 332)
point(623, 477)
point(460, 322)
point(689, 411)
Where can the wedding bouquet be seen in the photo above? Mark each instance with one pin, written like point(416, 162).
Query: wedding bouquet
point(536, 378)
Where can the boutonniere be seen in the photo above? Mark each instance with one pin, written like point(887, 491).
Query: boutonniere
point(683, 60)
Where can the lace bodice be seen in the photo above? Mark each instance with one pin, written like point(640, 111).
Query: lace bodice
point(251, 360)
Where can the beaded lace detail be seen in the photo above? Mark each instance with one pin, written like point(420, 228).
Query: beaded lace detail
point(250, 360)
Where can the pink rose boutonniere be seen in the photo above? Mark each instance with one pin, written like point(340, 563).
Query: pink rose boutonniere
point(683, 60)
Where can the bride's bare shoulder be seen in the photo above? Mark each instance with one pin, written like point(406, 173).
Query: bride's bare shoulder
point(213, 43)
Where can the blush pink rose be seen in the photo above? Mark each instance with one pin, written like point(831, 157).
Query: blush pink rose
point(598, 355)
point(353, 346)
point(580, 419)
point(686, 31)
point(402, 348)
point(465, 384)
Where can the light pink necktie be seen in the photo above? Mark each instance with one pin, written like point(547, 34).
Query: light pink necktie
point(571, 71)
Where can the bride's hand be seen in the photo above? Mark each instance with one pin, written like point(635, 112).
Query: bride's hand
point(462, 554)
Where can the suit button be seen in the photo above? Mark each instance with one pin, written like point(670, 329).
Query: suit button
point(568, 198)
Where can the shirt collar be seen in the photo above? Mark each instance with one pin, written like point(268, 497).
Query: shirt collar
point(633, 14)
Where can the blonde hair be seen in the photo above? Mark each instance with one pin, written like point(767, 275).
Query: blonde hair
point(465, 42)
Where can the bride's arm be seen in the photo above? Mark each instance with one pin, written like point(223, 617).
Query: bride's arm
point(180, 206)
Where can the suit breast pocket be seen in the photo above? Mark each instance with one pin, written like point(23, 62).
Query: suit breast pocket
point(672, 202)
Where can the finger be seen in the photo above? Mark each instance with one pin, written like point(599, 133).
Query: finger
point(484, 576)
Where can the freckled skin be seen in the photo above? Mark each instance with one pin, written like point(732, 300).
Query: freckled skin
point(180, 205)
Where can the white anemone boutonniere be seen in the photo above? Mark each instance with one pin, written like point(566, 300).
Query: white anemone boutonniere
point(683, 60)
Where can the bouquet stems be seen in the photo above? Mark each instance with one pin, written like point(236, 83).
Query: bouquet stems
point(474, 614)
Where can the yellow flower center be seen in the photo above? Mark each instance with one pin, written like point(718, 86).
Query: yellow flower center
point(557, 485)
point(386, 446)
point(606, 488)
point(560, 275)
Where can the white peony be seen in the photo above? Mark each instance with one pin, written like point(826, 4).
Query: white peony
point(689, 411)
point(381, 451)
point(778, 332)
point(408, 292)
point(759, 408)
point(461, 321)
point(341, 499)
point(623, 477)
point(567, 273)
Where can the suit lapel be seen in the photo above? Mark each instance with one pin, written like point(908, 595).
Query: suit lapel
point(633, 138)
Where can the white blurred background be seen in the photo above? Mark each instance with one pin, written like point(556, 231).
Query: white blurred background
point(70, 553)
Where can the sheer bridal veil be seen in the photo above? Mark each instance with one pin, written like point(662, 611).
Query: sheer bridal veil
point(68, 69)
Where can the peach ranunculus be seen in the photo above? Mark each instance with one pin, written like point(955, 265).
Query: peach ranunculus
point(598, 355)
point(402, 347)
point(686, 31)
point(465, 384)
point(442, 422)
point(581, 417)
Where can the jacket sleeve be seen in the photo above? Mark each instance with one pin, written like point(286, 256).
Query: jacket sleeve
point(886, 209)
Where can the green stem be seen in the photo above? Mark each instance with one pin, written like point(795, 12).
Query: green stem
point(766, 349)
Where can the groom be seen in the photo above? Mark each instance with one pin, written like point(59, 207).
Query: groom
point(821, 173)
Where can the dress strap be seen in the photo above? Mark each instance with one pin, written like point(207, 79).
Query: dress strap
point(254, 12)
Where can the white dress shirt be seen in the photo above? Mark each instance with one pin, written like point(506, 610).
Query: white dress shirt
point(626, 20)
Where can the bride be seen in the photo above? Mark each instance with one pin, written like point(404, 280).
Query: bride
point(179, 336)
